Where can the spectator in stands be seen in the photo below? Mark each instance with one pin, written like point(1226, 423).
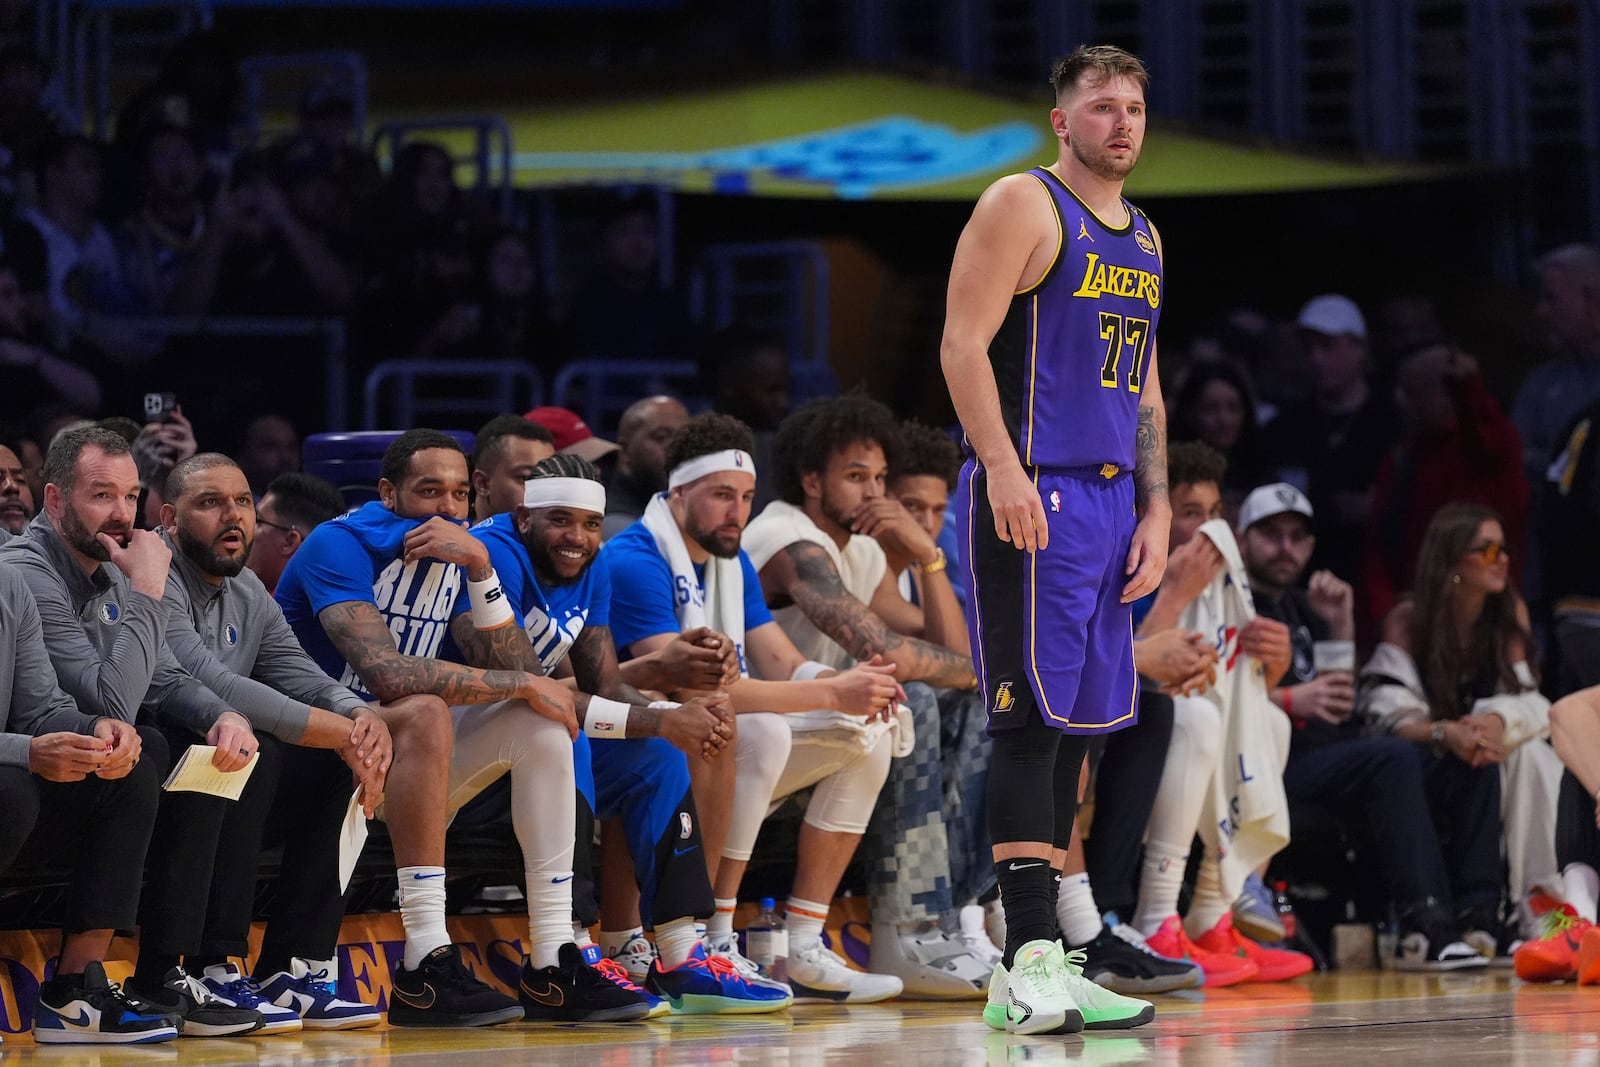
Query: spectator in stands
point(1377, 782)
point(421, 205)
point(338, 594)
point(822, 553)
point(515, 321)
point(16, 498)
point(326, 118)
point(1568, 519)
point(1455, 670)
point(160, 244)
point(754, 384)
point(504, 453)
point(688, 537)
point(622, 312)
point(1331, 444)
point(1555, 391)
point(293, 505)
point(643, 433)
point(34, 374)
point(99, 583)
point(157, 448)
point(271, 447)
point(571, 434)
point(1216, 404)
point(198, 87)
point(226, 630)
point(75, 792)
point(1457, 445)
point(26, 122)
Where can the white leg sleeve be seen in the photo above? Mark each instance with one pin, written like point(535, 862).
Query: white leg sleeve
point(760, 754)
point(1190, 765)
point(844, 798)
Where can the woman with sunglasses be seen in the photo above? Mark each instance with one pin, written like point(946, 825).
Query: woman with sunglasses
point(1455, 673)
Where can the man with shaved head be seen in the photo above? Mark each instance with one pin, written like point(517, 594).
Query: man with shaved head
point(225, 629)
point(641, 472)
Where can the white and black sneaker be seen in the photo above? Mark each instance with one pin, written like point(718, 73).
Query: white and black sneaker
point(930, 964)
point(1435, 950)
point(203, 1013)
point(1120, 960)
point(93, 1010)
point(635, 956)
point(819, 976)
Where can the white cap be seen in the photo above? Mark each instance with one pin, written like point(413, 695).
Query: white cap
point(1269, 500)
point(1333, 315)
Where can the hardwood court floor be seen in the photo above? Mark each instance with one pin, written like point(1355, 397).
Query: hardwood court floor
point(1353, 1020)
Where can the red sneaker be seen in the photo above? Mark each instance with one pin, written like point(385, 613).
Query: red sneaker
point(1554, 957)
point(1221, 969)
point(1589, 957)
point(1274, 964)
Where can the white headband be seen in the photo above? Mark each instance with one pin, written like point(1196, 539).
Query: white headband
point(584, 494)
point(693, 470)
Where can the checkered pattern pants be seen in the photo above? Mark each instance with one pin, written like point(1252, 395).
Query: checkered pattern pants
point(927, 847)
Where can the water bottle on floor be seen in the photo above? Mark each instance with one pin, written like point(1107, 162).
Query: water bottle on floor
point(766, 941)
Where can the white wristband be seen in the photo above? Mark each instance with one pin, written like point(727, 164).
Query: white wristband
point(808, 671)
point(664, 705)
point(490, 608)
point(606, 719)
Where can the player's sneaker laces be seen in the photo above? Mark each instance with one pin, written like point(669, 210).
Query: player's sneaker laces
point(226, 982)
point(442, 992)
point(1554, 956)
point(727, 947)
point(1255, 913)
point(615, 973)
point(204, 1014)
point(818, 975)
point(1032, 997)
point(314, 997)
point(712, 985)
point(929, 964)
point(572, 991)
point(95, 1011)
point(1101, 1008)
point(1122, 961)
point(1220, 970)
point(1272, 964)
point(636, 955)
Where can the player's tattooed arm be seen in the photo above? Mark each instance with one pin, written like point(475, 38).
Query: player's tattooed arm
point(1150, 464)
point(811, 580)
point(504, 648)
point(594, 664)
point(358, 632)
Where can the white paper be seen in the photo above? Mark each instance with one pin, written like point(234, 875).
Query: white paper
point(352, 837)
point(195, 773)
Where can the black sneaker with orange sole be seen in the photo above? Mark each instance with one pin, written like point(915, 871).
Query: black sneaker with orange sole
point(574, 992)
point(442, 992)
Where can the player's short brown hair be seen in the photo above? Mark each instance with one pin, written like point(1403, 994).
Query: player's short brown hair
point(1194, 462)
point(1101, 62)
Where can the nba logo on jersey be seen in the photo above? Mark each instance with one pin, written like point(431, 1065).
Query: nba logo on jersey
point(1003, 700)
point(685, 826)
point(1055, 500)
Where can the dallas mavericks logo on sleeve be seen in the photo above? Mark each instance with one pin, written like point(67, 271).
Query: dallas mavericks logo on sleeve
point(109, 612)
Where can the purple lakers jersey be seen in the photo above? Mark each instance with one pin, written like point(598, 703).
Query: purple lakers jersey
point(1071, 356)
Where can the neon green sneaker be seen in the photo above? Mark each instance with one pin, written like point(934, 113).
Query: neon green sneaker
point(1101, 1008)
point(1033, 997)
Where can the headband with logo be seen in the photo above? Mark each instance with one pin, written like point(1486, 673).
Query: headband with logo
point(693, 470)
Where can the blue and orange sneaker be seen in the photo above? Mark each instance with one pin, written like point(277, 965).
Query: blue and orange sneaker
point(617, 974)
point(712, 985)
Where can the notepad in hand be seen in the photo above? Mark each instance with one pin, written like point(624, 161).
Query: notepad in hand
point(195, 773)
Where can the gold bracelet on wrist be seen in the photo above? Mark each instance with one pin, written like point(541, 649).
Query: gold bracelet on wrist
point(937, 564)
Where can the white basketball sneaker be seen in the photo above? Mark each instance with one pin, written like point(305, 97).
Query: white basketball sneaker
point(1033, 996)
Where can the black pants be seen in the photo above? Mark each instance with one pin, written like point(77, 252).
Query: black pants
point(1127, 774)
point(1577, 838)
point(99, 829)
point(183, 854)
point(1033, 782)
point(296, 797)
point(1434, 821)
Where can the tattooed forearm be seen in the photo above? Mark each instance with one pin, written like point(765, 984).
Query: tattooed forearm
point(1150, 464)
point(358, 632)
point(594, 665)
point(505, 648)
point(821, 595)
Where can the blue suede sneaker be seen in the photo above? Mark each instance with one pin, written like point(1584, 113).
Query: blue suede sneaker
point(311, 995)
point(226, 982)
point(703, 985)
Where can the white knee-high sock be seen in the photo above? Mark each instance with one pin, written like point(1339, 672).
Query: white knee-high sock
point(422, 911)
point(1076, 912)
point(1185, 776)
point(1209, 905)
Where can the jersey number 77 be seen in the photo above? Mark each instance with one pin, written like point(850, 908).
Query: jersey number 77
point(1118, 331)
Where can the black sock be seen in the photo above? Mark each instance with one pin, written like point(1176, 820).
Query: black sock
point(1027, 892)
point(152, 968)
point(267, 966)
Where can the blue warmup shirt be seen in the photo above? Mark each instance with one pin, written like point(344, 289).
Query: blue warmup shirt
point(645, 598)
point(360, 557)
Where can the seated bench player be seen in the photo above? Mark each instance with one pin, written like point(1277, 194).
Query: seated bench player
point(632, 761)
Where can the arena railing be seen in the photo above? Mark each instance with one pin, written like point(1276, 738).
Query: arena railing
point(500, 386)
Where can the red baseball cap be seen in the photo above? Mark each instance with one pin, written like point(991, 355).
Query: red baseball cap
point(571, 433)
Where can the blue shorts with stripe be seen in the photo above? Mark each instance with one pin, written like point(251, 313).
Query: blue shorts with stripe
point(645, 782)
point(1050, 634)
